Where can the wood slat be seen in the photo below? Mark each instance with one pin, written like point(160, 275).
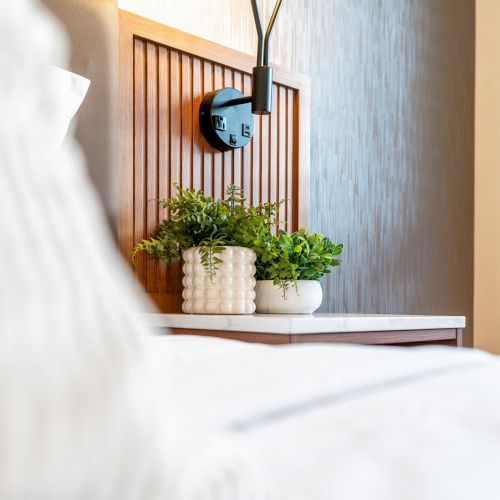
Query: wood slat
point(161, 87)
point(126, 236)
point(208, 154)
point(282, 160)
point(139, 181)
point(151, 141)
point(176, 113)
point(246, 166)
point(290, 162)
point(197, 151)
point(296, 152)
point(273, 148)
point(255, 197)
point(186, 101)
point(218, 173)
point(238, 153)
point(228, 156)
point(264, 159)
point(163, 149)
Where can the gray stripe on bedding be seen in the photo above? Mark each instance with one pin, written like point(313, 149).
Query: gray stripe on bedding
point(328, 400)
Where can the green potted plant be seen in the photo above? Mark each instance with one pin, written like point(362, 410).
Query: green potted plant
point(215, 241)
point(289, 267)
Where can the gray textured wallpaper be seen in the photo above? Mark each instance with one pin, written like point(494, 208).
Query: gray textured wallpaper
point(391, 147)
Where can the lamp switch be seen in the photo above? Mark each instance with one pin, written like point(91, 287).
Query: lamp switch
point(245, 130)
point(220, 122)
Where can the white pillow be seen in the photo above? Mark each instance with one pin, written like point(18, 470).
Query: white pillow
point(72, 89)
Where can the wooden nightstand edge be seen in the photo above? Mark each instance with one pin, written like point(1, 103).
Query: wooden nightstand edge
point(446, 336)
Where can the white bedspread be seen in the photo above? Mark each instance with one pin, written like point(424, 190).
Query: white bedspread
point(346, 422)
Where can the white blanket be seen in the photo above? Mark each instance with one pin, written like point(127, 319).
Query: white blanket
point(347, 422)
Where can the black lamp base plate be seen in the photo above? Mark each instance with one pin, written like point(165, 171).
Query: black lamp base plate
point(226, 126)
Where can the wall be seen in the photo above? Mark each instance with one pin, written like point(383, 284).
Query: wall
point(392, 144)
point(92, 26)
point(487, 182)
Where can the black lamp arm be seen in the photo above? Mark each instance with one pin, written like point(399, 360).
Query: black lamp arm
point(260, 34)
point(269, 31)
point(240, 100)
point(262, 76)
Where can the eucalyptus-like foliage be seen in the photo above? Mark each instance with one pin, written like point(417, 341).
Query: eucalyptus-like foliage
point(287, 258)
point(197, 220)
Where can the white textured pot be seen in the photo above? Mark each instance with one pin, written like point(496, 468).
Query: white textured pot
point(303, 300)
point(230, 292)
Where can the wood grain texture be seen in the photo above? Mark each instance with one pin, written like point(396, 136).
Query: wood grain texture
point(382, 338)
point(401, 338)
point(252, 337)
point(164, 75)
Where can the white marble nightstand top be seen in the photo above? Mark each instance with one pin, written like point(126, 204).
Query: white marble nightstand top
point(304, 323)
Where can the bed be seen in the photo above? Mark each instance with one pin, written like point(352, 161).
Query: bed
point(94, 406)
point(346, 422)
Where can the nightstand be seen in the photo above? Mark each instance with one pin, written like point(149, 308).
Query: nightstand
point(373, 329)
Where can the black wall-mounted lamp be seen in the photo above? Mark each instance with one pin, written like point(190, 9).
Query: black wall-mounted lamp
point(226, 118)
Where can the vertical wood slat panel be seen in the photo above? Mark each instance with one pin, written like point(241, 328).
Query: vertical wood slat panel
point(167, 148)
point(218, 174)
point(228, 156)
point(296, 205)
point(264, 158)
point(176, 114)
point(246, 182)
point(163, 149)
point(282, 165)
point(256, 162)
point(186, 101)
point(236, 177)
point(139, 184)
point(289, 159)
point(273, 148)
point(208, 154)
point(197, 153)
point(151, 141)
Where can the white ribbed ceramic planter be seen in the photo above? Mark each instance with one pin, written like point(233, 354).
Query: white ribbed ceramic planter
point(230, 292)
point(305, 300)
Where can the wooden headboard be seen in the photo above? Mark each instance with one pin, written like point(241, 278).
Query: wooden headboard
point(164, 74)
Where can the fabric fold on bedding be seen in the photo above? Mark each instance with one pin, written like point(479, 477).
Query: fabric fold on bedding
point(331, 422)
point(245, 385)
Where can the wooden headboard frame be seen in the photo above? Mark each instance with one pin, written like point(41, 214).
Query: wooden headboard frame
point(164, 74)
